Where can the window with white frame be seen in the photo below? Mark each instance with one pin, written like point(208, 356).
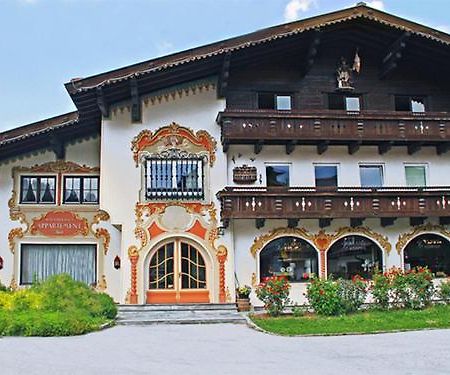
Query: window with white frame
point(326, 175)
point(174, 178)
point(371, 175)
point(416, 175)
point(277, 175)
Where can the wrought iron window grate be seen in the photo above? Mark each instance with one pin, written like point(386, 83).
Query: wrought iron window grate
point(174, 178)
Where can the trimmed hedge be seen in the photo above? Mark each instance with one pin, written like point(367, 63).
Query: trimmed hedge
point(58, 306)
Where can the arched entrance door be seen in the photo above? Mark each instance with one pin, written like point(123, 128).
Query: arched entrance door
point(177, 274)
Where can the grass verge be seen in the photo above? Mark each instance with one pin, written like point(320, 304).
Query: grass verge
point(371, 321)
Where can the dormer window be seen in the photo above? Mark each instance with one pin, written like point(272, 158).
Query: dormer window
point(37, 189)
point(415, 104)
point(174, 178)
point(350, 103)
point(279, 102)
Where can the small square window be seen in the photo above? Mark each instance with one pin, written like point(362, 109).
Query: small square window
point(415, 175)
point(417, 105)
point(284, 102)
point(371, 175)
point(326, 175)
point(352, 103)
point(343, 102)
point(277, 175)
point(266, 100)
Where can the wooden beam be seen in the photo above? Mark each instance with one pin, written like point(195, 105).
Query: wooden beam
point(322, 147)
point(353, 147)
point(384, 147)
point(259, 223)
point(136, 110)
point(356, 222)
point(258, 147)
point(290, 147)
point(442, 148)
point(293, 223)
point(225, 146)
point(444, 220)
point(414, 147)
point(58, 147)
point(222, 85)
point(225, 223)
point(312, 51)
point(324, 222)
point(387, 221)
point(413, 221)
point(102, 103)
point(393, 55)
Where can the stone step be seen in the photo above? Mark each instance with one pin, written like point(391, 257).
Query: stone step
point(179, 307)
point(179, 314)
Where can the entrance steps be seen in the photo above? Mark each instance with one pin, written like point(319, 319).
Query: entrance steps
point(198, 313)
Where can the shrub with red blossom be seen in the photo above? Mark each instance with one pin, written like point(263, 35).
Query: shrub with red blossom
point(274, 293)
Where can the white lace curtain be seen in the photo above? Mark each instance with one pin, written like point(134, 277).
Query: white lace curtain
point(41, 261)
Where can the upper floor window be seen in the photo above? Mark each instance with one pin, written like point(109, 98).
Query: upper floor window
point(416, 175)
point(351, 103)
point(407, 103)
point(270, 100)
point(79, 190)
point(174, 178)
point(371, 175)
point(277, 175)
point(37, 189)
point(326, 175)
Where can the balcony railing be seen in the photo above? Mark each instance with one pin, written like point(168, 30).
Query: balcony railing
point(384, 129)
point(342, 202)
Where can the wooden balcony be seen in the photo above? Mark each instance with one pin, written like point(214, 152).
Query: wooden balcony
point(323, 128)
point(325, 204)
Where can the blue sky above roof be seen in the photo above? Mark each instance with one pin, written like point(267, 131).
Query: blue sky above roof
point(45, 43)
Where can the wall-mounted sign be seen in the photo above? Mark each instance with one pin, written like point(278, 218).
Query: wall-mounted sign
point(60, 223)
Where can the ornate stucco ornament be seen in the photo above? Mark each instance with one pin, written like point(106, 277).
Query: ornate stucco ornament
point(174, 136)
point(405, 238)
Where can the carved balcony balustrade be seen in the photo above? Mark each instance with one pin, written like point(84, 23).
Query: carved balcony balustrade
point(323, 128)
point(325, 204)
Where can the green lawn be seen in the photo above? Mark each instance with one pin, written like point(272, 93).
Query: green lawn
point(361, 322)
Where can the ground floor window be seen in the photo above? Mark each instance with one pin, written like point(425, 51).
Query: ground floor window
point(288, 257)
point(354, 255)
point(428, 250)
point(40, 261)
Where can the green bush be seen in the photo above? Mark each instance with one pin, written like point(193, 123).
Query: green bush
point(444, 291)
point(323, 296)
point(58, 306)
point(395, 288)
point(274, 293)
point(335, 297)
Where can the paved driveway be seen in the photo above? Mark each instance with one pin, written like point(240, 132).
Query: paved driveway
point(225, 349)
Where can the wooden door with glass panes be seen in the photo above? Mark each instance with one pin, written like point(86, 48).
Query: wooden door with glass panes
point(177, 274)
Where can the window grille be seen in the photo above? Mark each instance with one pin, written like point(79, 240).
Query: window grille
point(174, 178)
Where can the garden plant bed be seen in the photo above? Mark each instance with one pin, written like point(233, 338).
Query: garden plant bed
point(372, 321)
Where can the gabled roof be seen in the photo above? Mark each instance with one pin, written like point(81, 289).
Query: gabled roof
point(182, 67)
point(38, 128)
point(262, 36)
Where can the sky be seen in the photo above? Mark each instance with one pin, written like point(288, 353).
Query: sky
point(45, 43)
